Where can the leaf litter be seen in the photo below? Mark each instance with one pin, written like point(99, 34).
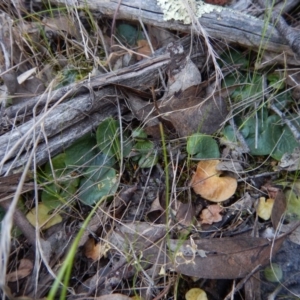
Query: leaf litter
point(145, 233)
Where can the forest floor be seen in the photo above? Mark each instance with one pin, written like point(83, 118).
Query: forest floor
point(144, 157)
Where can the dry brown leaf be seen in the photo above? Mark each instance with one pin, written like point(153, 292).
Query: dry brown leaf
point(24, 269)
point(226, 258)
point(95, 250)
point(185, 213)
point(211, 214)
point(209, 183)
point(187, 105)
point(144, 49)
point(156, 214)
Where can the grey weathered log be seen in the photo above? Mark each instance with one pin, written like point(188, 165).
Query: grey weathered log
point(227, 25)
point(65, 122)
point(133, 76)
point(60, 142)
point(61, 122)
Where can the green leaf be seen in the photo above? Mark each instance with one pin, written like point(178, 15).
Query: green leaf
point(108, 139)
point(81, 151)
point(144, 146)
point(235, 57)
point(98, 167)
point(92, 192)
point(58, 164)
point(274, 273)
point(100, 180)
point(271, 138)
point(147, 161)
point(286, 143)
point(263, 142)
point(283, 100)
point(56, 194)
point(202, 146)
point(139, 133)
point(250, 86)
point(61, 185)
point(127, 33)
point(293, 203)
point(275, 81)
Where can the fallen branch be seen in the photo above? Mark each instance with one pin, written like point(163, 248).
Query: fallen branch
point(229, 25)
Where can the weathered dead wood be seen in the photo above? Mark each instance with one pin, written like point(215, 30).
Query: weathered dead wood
point(72, 115)
point(62, 140)
point(290, 35)
point(134, 76)
point(228, 25)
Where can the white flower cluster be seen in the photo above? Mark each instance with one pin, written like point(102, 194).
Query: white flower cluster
point(181, 10)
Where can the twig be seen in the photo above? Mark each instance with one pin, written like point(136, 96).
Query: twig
point(242, 282)
point(289, 34)
point(114, 22)
point(294, 130)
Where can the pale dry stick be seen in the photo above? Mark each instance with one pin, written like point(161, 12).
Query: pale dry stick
point(211, 52)
point(291, 126)
point(174, 169)
point(152, 50)
point(83, 33)
point(241, 283)
point(99, 31)
point(241, 139)
point(288, 282)
point(163, 244)
point(114, 22)
point(291, 35)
